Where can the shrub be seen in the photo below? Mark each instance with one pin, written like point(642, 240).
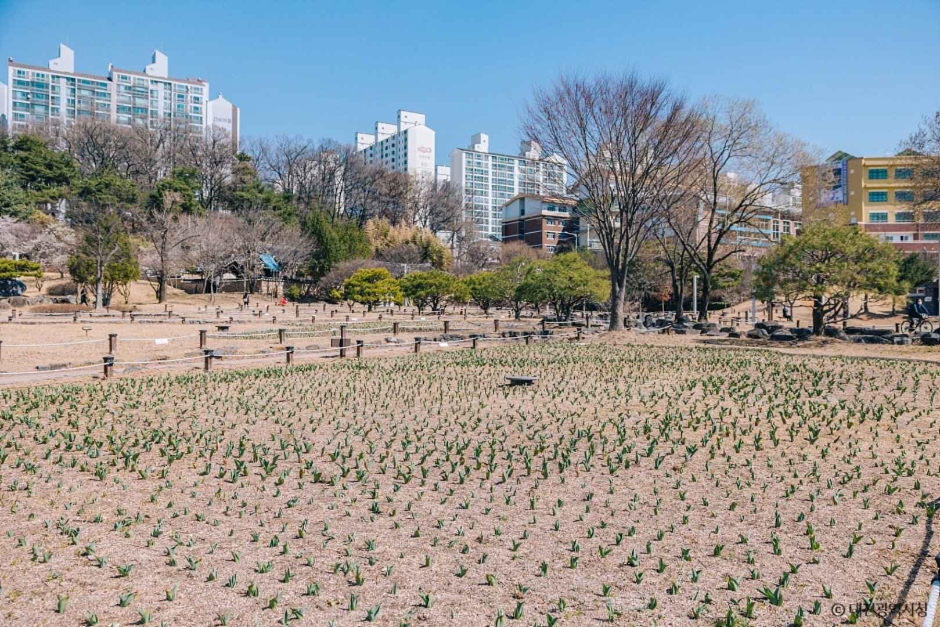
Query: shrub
point(68, 288)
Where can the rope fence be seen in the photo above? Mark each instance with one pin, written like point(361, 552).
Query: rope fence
point(209, 356)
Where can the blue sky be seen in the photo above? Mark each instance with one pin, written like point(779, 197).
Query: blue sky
point(856, 76)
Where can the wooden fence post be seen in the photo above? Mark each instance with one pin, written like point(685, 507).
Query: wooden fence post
point(359, 344)
point(202, 338)
point(108, 366)
point(112, 343)
point(290, 355)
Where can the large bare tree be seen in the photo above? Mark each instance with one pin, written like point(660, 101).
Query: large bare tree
point(629, 143)
point(744, 163)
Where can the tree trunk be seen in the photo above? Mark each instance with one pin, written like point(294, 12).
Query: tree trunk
point(705, 297)
point(99, 281)
point(161, 288)
point(818, 313)
point(616, 303)
point(678, 296)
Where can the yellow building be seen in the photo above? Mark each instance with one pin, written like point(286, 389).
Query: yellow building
point(875, 193)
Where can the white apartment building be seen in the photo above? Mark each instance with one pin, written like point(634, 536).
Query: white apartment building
point(407, 146)
point(489, 180)
point(4, 113)
point(57, 94)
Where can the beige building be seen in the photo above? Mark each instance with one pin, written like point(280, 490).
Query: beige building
point(875, 193)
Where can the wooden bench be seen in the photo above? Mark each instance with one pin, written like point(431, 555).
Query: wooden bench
point(513, 381)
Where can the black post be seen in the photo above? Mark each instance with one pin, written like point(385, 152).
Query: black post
point(395, 328)
point(202, 338)
point(108, 366)
point(112, 343)
point(209, 354)
point(342, 340)
point(290, 355)
point(359, 344)
point(281, 335)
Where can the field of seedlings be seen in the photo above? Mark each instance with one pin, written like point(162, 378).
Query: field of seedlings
point(632, 485)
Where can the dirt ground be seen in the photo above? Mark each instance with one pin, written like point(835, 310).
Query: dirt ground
point(643, 480)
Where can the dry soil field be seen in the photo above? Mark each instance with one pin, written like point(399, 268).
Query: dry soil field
point(633, 484)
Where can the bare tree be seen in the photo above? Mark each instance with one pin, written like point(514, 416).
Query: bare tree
point(291, 249)
point(213, 159)
point(98, 146)
point(214, 249)
point(160, 222)
point(47, 242)
point(674, 254)
point(154, 151)
point(437, 207)
point(255, 233)
point(285, 162)
point(922, 150)
point(744, 163)
point(630, 144)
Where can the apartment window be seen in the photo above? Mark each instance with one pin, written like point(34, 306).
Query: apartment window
point(931, 237)
point(877, 174)
point(550, 235)
point(877, 196)
point(878, 216)
point(903, 173)
point(904, 216)
point(905, 196)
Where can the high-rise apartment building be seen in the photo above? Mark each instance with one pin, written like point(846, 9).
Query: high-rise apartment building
point(489, 180)
point(57, 94)
point(407, 146)
point(875, 193)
